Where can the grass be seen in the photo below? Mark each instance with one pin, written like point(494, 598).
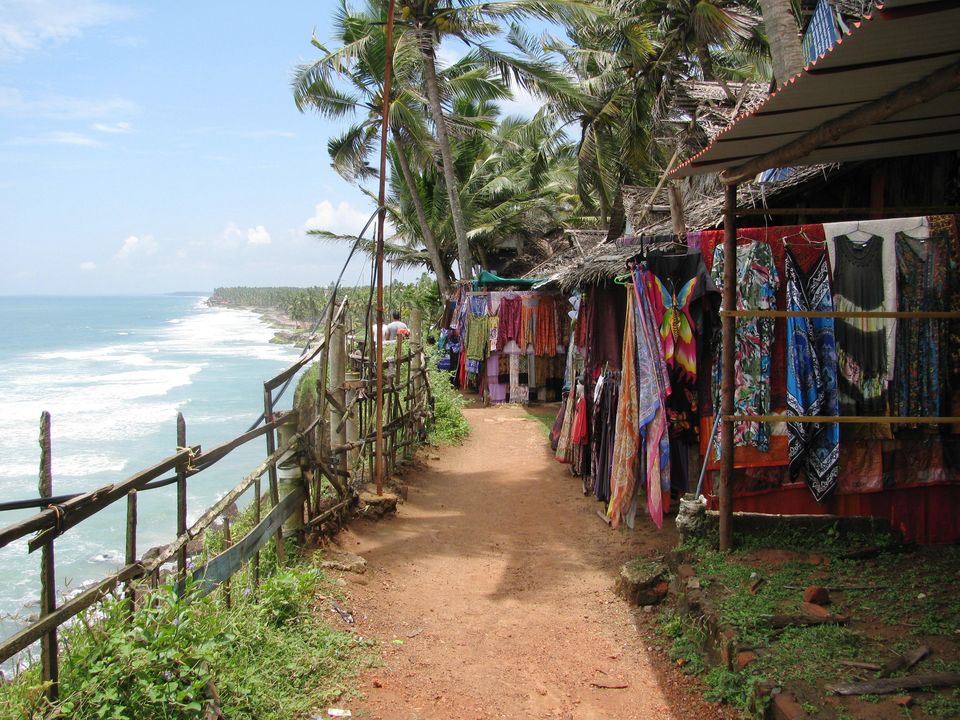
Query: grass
point(270, 656)
point(449, 426)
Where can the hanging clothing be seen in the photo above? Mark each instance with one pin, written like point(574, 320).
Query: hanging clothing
point(545, 343)
point(478, 337)
point(623, 473)
point(921, 369)
point(812, 377)
point(509, 326)
point(605, 402)
point(679, 291)
point(757, 283)
point(861, 342)
point(607, 310)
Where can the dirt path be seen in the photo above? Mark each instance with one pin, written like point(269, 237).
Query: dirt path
point(492, 592)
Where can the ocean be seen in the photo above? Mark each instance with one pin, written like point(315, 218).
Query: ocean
point(113, 372)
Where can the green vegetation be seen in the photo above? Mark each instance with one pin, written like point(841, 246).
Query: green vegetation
point(449, 427)
point(270, 656)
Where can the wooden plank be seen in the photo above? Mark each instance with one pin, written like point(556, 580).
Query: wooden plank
point(30, 634)
point(304, 360)
point(226, 564)
point(72, 512)
point(205, 459)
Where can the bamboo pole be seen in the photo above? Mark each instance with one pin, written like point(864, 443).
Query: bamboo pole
point(381, 220)
point(338, 377)
point(272, 471)
point(351, 429)
point(50, 671)
point(181, 503)
point(227, 542)
point(130, 556)
point(727, 385)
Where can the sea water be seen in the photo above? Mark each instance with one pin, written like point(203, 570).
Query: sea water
point(113, 372)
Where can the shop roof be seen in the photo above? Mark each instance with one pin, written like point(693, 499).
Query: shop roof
point(899, 44)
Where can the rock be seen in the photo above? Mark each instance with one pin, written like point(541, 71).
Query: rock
point(373, 505)
point(342, 560)
point(648, 608)
point(817, 595)
point(693, 584)
point(640, 582)
point(786, 707)
point(817, 611)
point(377, 683)
point(686, 572)
point(692, 517)
point(744, 658)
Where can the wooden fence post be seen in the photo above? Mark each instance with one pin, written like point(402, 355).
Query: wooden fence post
point(131, 550)
point(351, 425)
point(338, 375)
point(227, 542)
point(272, 471)
point(181, 504)
point(48, 576)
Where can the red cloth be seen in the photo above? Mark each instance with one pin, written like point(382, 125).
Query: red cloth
point(509, 326)
point(579, 434)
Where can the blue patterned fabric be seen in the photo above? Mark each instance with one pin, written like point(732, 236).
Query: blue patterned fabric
point(812, 378)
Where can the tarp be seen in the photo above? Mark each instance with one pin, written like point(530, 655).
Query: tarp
point(489, 279)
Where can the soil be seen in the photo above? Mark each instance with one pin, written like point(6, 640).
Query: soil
point(491, 592)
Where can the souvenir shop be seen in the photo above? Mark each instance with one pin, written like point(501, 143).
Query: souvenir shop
point(507, 342)
point(647, 351)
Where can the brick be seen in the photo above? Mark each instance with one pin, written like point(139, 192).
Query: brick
point(786, 707)
point(817, 611)
point(744, 658)
point(817, 595)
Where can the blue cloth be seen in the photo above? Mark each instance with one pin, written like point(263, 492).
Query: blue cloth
point(812, 378)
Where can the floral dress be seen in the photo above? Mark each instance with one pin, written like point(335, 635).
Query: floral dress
point(757, 283)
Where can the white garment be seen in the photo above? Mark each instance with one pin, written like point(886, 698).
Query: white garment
point(887, 229)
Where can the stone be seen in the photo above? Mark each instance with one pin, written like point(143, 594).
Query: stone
point(817, 611)
point(744, 658)
point(786, 707)
point(640, 582)
point(817, 595)
point(342, 560)
point(692, 517)
point(693, 584)
point(373, 505)
point(685, 572)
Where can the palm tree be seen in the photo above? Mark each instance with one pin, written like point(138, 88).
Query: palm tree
point(783, 36)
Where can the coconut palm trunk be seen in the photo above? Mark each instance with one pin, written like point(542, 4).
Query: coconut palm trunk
point(446, 155)
point(783, 36)
point(429, 241)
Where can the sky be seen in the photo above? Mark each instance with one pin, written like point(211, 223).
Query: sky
point(155, 147)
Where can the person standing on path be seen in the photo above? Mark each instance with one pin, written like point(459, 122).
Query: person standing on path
point(395, 328)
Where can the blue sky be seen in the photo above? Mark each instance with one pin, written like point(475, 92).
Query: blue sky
point(154, 147)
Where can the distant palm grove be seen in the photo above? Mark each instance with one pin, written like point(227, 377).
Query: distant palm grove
point(468, 184)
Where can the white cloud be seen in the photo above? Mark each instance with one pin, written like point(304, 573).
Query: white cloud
point(343, 219)
point(88, 266)
point(29, 25)
point(58, 138)
point(114, 128)
point(231, 232)
point(14, 103)
point(523, 103)
point(258, 236)
point(137, 245)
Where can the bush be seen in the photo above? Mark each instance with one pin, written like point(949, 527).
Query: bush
point(450, 427)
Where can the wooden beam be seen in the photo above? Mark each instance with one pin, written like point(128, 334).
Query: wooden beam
point(927, 88)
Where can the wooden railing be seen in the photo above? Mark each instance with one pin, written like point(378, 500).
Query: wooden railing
point(331, 439)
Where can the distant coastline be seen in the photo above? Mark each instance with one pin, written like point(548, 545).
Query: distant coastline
point(287, 331)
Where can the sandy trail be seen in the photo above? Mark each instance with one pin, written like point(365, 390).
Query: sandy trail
point(492, 591)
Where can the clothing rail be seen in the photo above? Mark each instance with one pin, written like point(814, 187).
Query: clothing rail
point(902, 314)
point(854, 419)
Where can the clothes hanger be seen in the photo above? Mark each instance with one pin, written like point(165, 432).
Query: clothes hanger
point(858, 229)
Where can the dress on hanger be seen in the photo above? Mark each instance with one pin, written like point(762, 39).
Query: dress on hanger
point(757, 283)
point(812, 377)
point(861, 342)
point(921, 368)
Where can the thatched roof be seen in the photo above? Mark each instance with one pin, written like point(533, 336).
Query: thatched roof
point(607, 260)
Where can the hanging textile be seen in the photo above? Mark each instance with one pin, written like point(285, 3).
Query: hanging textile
point(605, 404)
point(922, 370)
point(861, 342)
point(756, 290)
point(812, 377)
point(478, 334)
point(623, 473)
point(509, 316)
point(946, 225)
point(546, 333)
point(607, 310)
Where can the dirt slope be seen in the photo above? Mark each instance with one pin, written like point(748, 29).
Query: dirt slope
point(492, 592)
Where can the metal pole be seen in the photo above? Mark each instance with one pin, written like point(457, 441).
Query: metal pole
point(387, 73)
point(727, 386)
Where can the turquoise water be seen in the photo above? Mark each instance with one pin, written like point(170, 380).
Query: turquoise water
point(113, 372)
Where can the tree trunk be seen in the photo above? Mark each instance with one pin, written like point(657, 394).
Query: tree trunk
point(706, 67)
point(446, 154)
point(429, 241)
point(784, 38)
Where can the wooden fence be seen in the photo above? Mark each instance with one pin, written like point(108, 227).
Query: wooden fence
point(330, 440)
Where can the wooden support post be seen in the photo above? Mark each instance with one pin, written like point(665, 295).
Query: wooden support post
point(227, 542)
point(676, 212)
point(50, 671)
point(353, 409)
point(727, 385)
point(181, 503)
point(338, 376)
point(257, 490)
point(272, 472)
point(131, 549)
